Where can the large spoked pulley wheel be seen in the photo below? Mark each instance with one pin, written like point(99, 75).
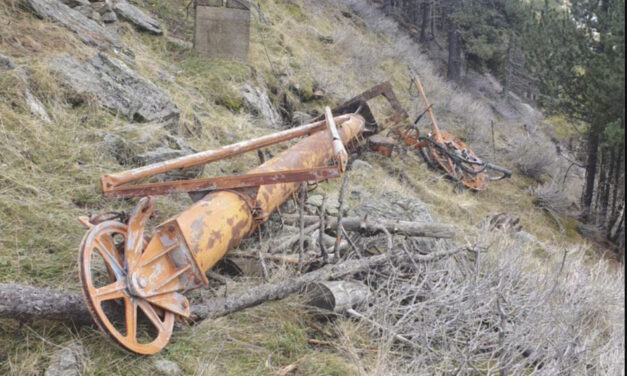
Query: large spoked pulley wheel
point(476, 180)
point(129, 321)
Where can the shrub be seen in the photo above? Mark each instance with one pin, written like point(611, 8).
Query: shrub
point(533, 160)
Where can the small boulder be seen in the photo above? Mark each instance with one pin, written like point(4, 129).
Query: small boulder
point(333, 207)
point(167, 368)
point(301, 118)
point(358, 164)
point(119, 148)
point(37, 108)
point(393, 205)
point(69, 361)
point(6, 64)
point(527, 238)
point(109, 17)
point(315, 200)
point(258, 101)
point(171, 148)
point(137, 18)
point(74, 3)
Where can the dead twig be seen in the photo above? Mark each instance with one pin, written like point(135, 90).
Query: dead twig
point(323, 247)
point(338, 229)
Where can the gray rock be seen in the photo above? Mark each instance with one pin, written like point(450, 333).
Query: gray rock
point(119, 148)
point(167, 368)
point(181, 44)
point(300, 118)
point(165, 77)
point(393, 205)
point(74, 3)
point(526, 237)
point(114, 86)
point(358, 164)
point(6, 64)
point(37, 108)
point(333, 207)
point(171, 148)
point(258, 101)
point(109, 17)
point(87, 30)
point(88, 11)
point(139, 19)
point(315, 200)
point(68, 361)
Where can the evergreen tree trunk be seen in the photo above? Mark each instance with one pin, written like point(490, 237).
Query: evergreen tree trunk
point(509, 67)
point(604, 202)
point(426, 20)
point(454, 47)
point(594, 139)
point(615, 177)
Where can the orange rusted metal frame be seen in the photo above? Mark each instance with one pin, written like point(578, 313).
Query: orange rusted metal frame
point(110, 182)
point(437, 134)
point(226, 182)
point(359, 104)
point(152, 275)
point(476, 182)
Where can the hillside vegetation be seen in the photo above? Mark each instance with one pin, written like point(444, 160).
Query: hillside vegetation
point(563, 300)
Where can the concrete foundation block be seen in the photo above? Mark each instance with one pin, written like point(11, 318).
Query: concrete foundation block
point(222, 30)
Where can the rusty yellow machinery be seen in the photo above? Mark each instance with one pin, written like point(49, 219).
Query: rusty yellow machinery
point(146, 276)
point(442, 150)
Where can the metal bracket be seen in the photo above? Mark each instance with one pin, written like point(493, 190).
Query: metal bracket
point(115, 185)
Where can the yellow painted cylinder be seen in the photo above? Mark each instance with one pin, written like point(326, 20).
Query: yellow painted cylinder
point(315, 151)
point(214, 225)
point(221, 220)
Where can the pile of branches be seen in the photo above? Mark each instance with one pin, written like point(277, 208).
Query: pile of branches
point(499, 311)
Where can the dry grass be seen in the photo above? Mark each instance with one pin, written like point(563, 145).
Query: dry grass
point(49, 173)
point(502, 311)
point(533, 159)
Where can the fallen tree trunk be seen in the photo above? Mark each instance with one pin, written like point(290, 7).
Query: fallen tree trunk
point(372, 226)
point(27, 303)
point(218, 307)
point(222, 306)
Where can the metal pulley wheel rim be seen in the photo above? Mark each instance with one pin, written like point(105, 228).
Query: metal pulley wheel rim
point(100, 239)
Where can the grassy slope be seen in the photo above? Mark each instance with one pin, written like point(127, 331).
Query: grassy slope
point(49, 174)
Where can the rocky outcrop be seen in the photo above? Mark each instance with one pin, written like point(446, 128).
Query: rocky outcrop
point(258, 101)
point(137, 18)
point(393, 205)
point(140, 145)
point(87, 30)
point(34, 104)
point(116, 87)
point(171, 148)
